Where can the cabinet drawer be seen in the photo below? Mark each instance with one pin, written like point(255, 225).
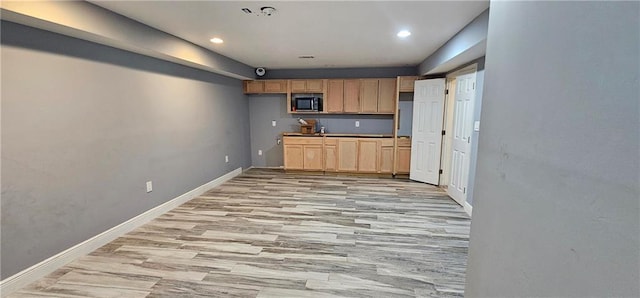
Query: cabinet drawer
point(404, 142)
point(302, 140)
point(330, 142)
point(386, 142)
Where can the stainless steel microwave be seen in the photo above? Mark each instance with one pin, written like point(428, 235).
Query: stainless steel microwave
point(311, 104)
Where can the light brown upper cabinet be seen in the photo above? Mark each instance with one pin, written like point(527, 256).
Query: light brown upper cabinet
point(306, 86)
point(335, 96)
point(343, 96)
point(265, 86)
point(386, 95)
point(377, 95)
point(351, 96)
point(253, 86)
point(275, 86)
point(407, 83)
point(369, 95)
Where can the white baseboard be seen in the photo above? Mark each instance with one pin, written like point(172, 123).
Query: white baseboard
point(270, 168)
point(467, 208)
point(37, 271)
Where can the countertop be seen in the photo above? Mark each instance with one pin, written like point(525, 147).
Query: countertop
point(344, 135)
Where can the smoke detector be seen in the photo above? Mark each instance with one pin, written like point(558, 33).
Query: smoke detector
point(267, 11)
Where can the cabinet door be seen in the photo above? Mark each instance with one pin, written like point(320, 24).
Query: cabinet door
point(347, 155)
point(312, 157)
point(254, 87)
point(386, 95)
point(368, 156)
point(386, 159)
point(404, 160)
point(406, 83)
point(369, 95)
point(351, 96)
point(335, 96)
point(275, 86)
point(330, 158)
point(298, 86)
point(314, 86)
point(293, 157)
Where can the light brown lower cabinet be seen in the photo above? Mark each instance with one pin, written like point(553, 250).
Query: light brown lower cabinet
point(312, 157)
point(339, 154)
point(404, 156)
point(386, 156)
point(303, 153)
point(368, 151)
point(293, 157)
point(330, 158)
point(347, 155)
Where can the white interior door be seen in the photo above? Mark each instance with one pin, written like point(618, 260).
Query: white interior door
point(426, 133)
point(461, 144)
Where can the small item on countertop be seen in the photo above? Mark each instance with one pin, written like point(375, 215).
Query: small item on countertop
point(309, 127)
point(302, 121)
point(322, 129)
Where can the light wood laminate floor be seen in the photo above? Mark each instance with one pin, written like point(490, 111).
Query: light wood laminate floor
point(268, 233)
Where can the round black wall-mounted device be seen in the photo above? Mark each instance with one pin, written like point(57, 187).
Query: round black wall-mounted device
point(260, 71)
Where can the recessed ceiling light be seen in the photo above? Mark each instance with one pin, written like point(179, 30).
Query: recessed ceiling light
point(217, 40)
point(404, 33)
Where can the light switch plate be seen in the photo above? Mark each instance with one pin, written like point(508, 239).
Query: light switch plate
point(149, 186)
point(226, 158)
point(476, 126)
point(357, 123)
point(260, 152)
point(273, 123)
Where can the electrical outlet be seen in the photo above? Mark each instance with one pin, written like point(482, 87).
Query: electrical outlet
point(273, 123)
point(357, 123)
point(260, 152)
point(149, 186)
point(226, 158)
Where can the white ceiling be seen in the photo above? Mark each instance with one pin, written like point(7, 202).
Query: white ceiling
point(337, 33)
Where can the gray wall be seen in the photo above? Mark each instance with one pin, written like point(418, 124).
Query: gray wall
point(84, 126)
point(265, 108)
point(84, 20)
point(472, 35)
point(405, 122)
point(557, 198)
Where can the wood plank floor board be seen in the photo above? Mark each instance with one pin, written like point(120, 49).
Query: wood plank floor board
point(267, 233)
